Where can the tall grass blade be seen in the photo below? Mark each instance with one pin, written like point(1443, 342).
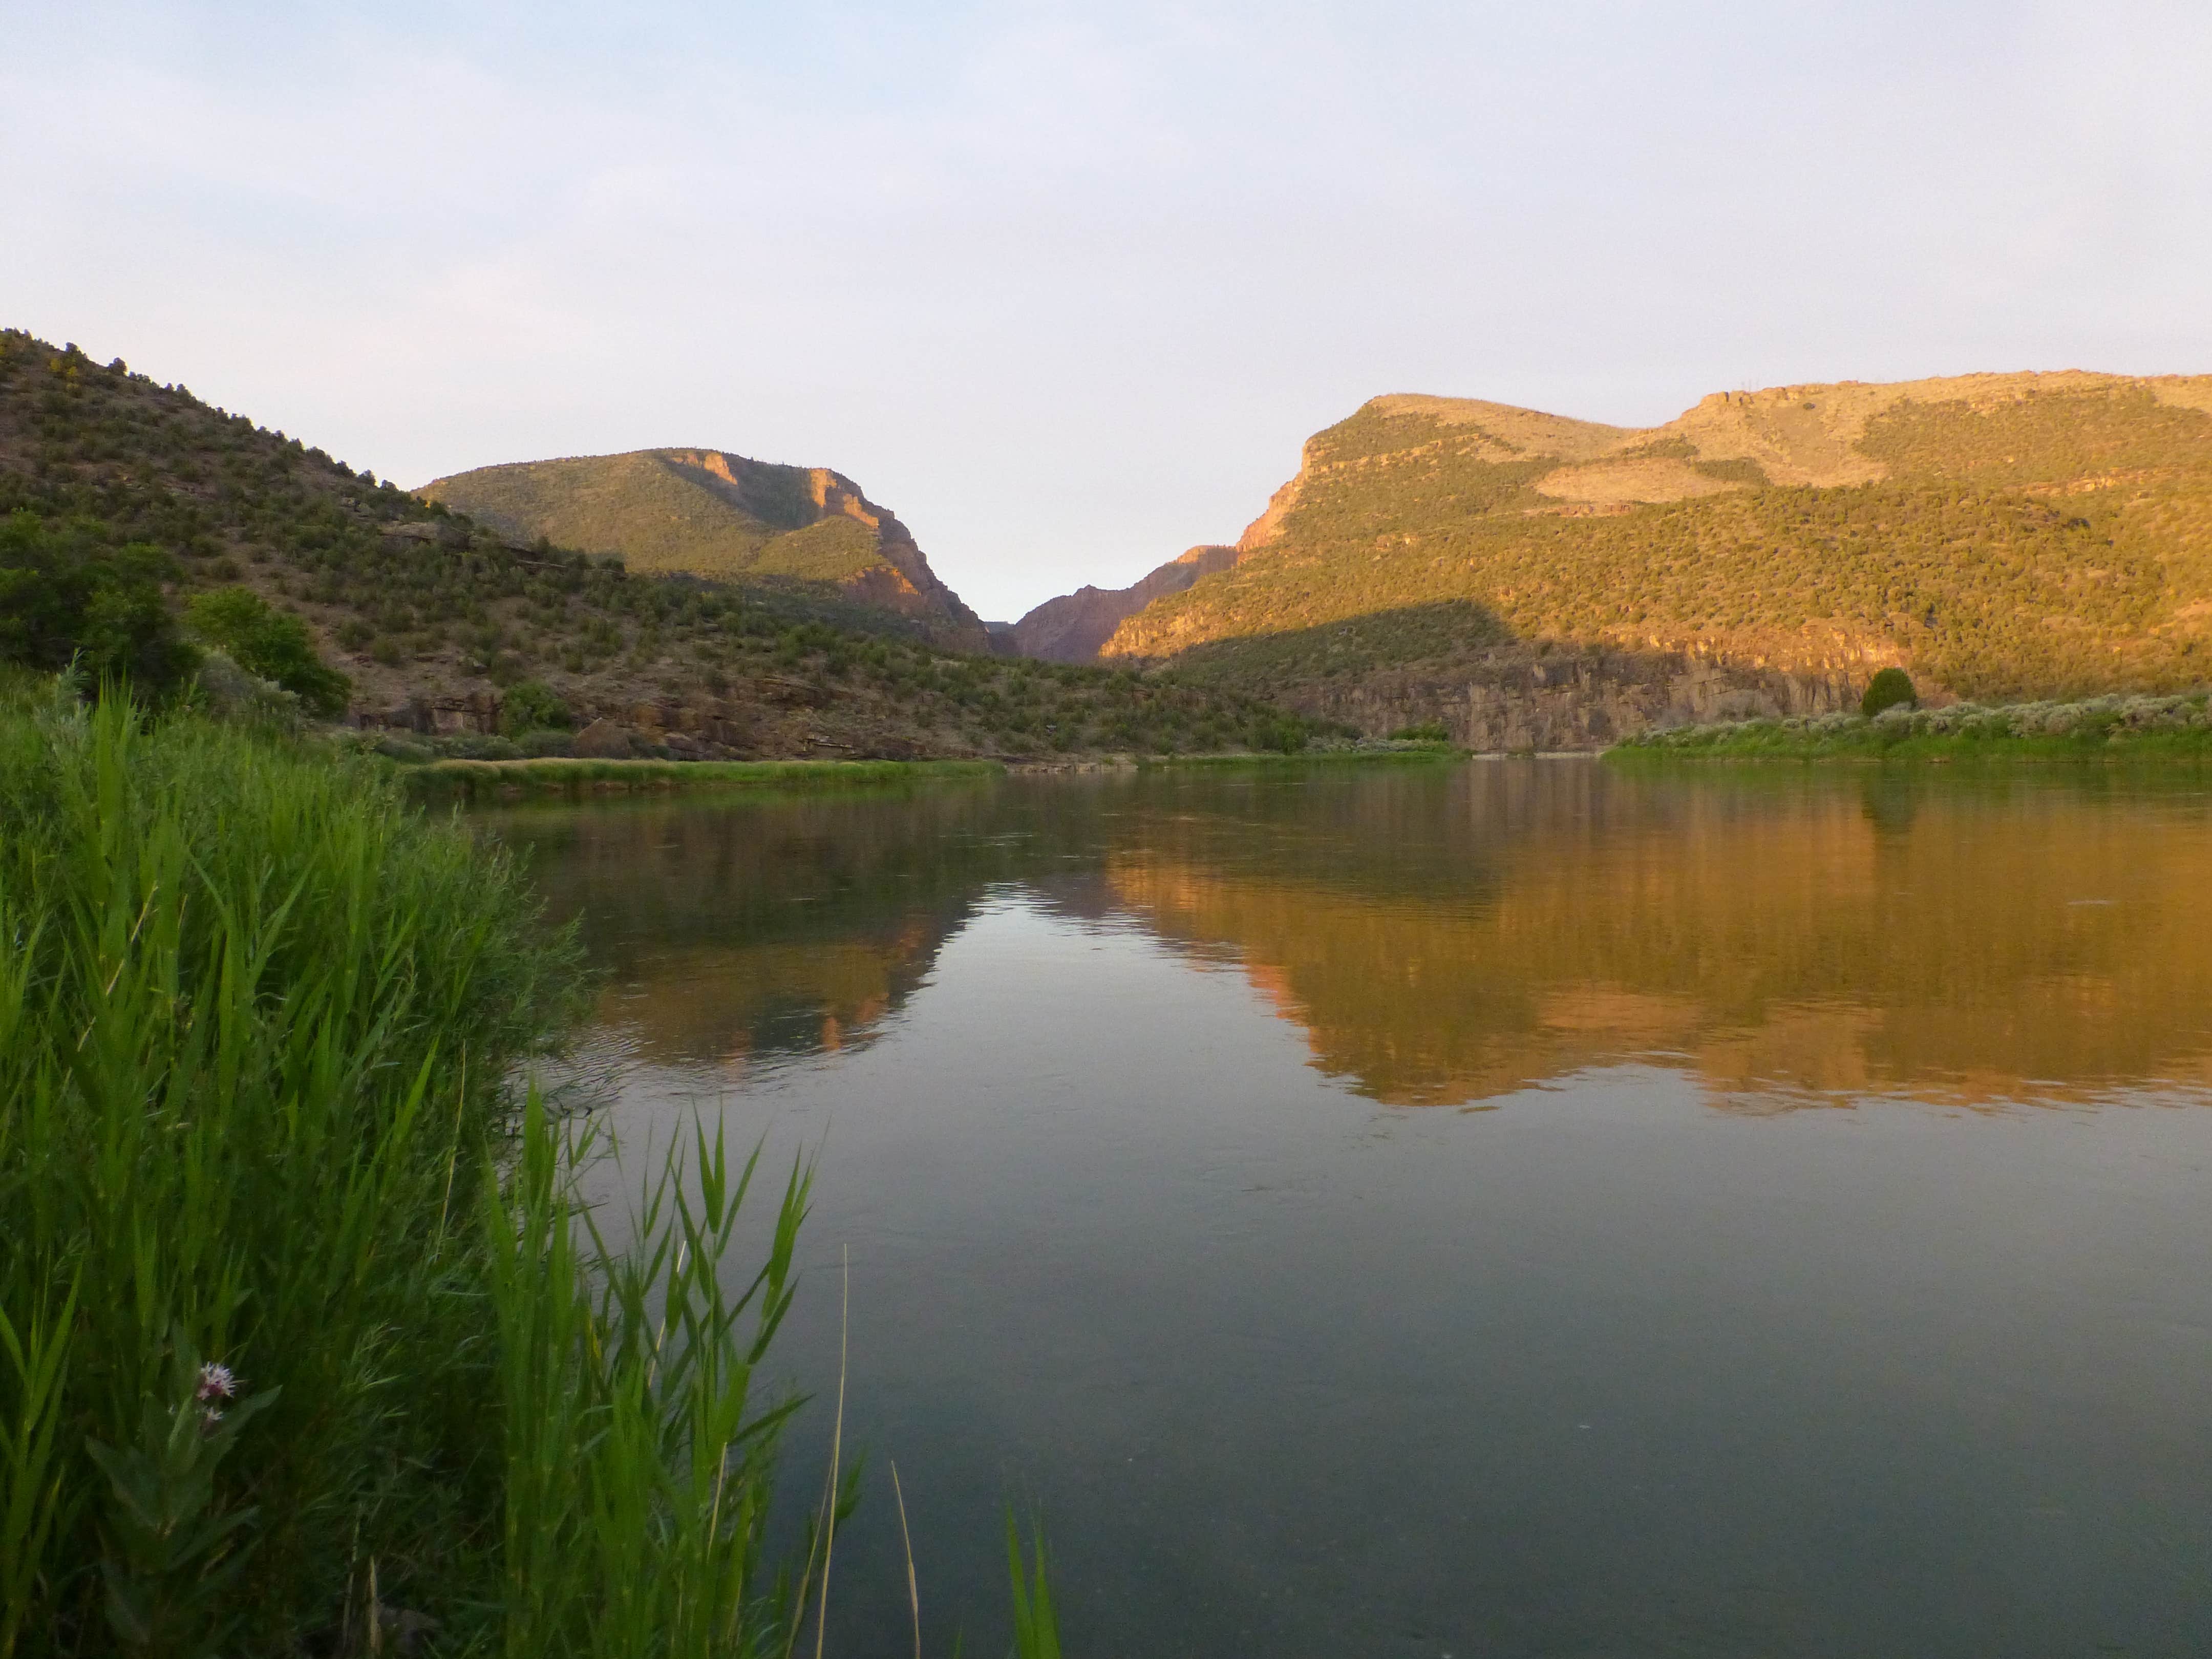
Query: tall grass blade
point(1036, 1628)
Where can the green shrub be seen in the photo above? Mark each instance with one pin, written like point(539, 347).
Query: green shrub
point(1426, 732)
point(545, 744)
point(412, 751)
point(1887, 689)
point(533, 706)
point(65, 596)
point(269, 642)
point(229, 692)
point(479, 745)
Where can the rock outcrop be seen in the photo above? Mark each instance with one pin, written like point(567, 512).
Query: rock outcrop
point(1563, 700)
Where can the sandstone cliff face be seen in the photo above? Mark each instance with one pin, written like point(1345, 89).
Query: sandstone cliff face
point(1566, 699)
point(1072, 627)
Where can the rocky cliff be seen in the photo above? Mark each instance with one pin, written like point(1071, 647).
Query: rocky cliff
point(1072, 628)
point(1516, 699)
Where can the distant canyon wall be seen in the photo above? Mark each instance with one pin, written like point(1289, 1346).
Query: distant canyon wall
point(1072, 627)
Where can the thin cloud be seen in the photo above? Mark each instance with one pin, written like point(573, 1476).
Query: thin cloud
point(1067, 284)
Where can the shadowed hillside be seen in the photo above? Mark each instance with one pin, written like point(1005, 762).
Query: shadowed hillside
point(1998, 536)
point(704, 512)
point(437, 621)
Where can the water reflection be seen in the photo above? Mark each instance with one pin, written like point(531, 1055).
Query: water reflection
point(1599, 1371)
point(1442, 937)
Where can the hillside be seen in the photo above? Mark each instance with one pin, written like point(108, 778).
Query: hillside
point(705, 512)
point(436, 620)
point(1516, 572)
point(1074, 627)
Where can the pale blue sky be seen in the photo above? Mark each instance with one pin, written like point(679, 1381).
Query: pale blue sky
point(1066, 285)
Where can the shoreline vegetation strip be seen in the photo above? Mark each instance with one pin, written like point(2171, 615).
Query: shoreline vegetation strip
point(562, 775)
point(2109, 729)
point(1314, 755)
point(308, 1341)
point(472, 777)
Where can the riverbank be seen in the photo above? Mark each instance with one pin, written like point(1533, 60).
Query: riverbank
point(510, 779)
point(518, 780)
point(2160, 730)
point(306, 1342)
point(1362, 754)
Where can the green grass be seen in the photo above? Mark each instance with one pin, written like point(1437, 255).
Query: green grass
point(1319, 755)
point(251, 1085)
point(2101, 729)
point(260, 1021)
point(483, 779)
point(256, 1028)
point(638, 1459)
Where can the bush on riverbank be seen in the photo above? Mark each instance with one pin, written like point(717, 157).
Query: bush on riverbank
point(256, 1017)
point(1886, 690)
point(2163, 728)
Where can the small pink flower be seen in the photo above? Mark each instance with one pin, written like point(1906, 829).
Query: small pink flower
point(215, 1383)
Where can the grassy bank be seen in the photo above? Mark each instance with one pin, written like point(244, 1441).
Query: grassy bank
point(514, 780)
point(305, 1345)
point(2104, 729)
point(1318, 753)
point(508, 779)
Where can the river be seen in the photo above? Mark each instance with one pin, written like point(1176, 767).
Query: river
point(1501, 1208)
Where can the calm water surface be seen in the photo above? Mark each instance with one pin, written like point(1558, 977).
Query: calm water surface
point(1501, 1209)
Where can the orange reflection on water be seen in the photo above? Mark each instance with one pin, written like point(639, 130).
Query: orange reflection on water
point(1784, 958)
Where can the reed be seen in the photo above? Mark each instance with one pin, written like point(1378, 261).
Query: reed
point(638, 1457)
point(308, 1341)
point(256, 1019)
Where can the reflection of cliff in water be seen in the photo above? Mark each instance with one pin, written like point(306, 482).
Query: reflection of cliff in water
point(1952, 943)
point(1444, 935)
